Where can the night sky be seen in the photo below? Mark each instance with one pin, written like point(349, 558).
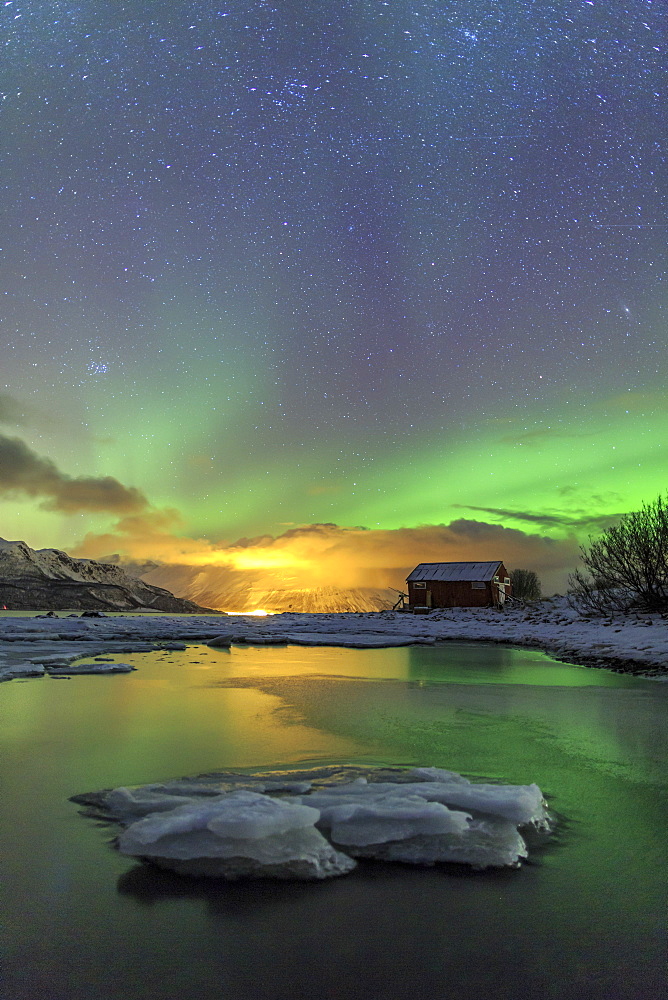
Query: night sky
point(378, 264)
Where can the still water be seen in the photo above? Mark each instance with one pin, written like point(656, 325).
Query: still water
point(585, 919)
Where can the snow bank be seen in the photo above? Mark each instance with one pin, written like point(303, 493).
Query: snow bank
point(632, 644)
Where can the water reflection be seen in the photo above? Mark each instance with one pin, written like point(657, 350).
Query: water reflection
point(447, 663)
point(81, 920)
point(487, 663)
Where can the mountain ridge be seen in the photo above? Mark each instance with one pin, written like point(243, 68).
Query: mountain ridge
point(52, 580)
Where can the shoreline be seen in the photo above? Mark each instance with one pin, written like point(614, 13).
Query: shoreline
point(35, 646)
point(651, 670)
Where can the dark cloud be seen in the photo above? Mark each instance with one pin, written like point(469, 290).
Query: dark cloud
point(590, 522)
point(327, 555)
point(22, 471)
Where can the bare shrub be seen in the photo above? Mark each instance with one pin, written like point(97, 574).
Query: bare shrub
point(526, 585)
point(626, 569)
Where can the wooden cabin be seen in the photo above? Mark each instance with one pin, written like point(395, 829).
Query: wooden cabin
point(458, 585)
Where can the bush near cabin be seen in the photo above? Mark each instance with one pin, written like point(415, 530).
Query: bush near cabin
point(526, 585)
point(626, 569)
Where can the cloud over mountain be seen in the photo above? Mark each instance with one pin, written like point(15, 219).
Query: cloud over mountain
point(24, 472)
point(324, 555)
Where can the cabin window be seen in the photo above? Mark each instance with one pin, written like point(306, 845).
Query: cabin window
point(420, 585)
point(496, 579)
point(506, 580)
point(477, 585)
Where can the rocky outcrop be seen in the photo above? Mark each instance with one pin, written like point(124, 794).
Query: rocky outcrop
point(51, 580)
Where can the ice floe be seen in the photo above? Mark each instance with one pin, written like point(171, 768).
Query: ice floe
point(241, 834)
point(517, 803)
point(286, 829)
point(93, 668)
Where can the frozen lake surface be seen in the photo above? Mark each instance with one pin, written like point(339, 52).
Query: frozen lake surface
point(585, 918)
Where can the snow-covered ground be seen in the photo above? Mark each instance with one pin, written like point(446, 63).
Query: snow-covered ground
point(35, 646)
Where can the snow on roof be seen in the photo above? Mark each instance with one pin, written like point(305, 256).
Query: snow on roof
point(455, 571)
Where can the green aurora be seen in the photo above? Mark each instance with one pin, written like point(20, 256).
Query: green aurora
point(386, 266)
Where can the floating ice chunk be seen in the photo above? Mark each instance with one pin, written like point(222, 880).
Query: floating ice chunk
point(484, 844)
point(131, 803)
point(168, 825)
point(217, 825)
point(395, 817)
point(20, 670)
point(522, 804)
point(224, 641)
point(238, 834)
point(413, 822)
point(90, 668)
point(254, 816)
point(361, 813)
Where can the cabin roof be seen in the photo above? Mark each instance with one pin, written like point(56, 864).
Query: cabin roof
point(455, 571)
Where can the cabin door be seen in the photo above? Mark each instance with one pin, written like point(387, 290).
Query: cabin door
point(427, 598)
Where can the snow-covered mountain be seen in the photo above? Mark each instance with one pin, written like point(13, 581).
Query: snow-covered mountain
point(48, 579)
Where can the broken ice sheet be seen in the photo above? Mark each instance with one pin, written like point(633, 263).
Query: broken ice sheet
point(237, 834)
point(233, 830)
point(414, 822)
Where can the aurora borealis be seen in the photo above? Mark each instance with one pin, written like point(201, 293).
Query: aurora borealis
point(382, 264)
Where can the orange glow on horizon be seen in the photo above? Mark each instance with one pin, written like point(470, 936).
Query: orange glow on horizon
point(321, 557)
point(258, 613)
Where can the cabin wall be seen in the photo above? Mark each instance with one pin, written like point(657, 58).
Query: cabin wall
point(459, 593)
point(450, 594)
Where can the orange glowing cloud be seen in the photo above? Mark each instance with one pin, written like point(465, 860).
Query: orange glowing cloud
point(319, 557)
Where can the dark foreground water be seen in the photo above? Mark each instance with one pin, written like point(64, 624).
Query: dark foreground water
point(586, 919)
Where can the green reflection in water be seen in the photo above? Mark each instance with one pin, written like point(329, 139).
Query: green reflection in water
point(487, 663)
point(583, 921)
point(446, 663)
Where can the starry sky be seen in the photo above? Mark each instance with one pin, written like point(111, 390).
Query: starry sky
point(385, 264)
